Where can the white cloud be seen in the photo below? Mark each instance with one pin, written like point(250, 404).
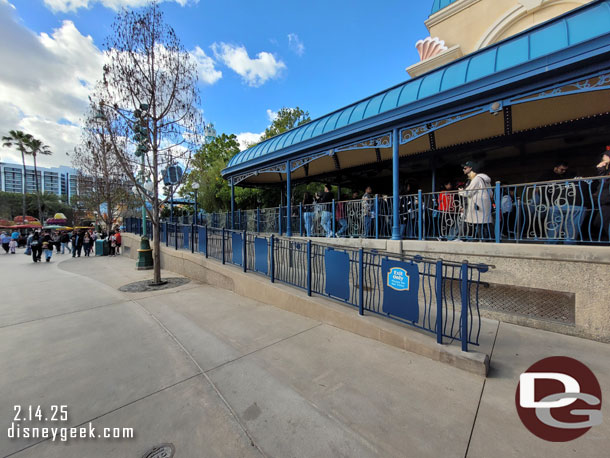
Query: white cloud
point(65, 6)
point(205, 66)
point(246, 139)
point(295, 43)
point(45, 82)
point(255, 72)
point(271, 115)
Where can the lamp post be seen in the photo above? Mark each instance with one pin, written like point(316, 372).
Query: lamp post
point(145, 259)
point(195, 187)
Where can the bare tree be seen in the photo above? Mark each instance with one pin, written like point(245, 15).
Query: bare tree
point(102, 182)
point(148, 69)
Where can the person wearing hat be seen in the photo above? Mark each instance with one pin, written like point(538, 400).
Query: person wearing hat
point(602, 197)
point(477, 194)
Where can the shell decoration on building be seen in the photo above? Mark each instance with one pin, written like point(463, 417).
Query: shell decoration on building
point(430, 47)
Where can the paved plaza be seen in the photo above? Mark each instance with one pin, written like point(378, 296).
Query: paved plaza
point(218, 375)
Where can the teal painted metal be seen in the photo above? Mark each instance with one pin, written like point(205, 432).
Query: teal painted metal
point(440, 4)
point(563, 32)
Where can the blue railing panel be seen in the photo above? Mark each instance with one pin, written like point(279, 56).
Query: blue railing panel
point(261, 250)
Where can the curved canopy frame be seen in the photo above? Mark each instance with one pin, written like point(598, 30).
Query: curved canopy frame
point(558, 44)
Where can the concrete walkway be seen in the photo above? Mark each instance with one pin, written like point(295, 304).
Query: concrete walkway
point(219, 375)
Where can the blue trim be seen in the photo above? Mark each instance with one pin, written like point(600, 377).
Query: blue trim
point(481, 78)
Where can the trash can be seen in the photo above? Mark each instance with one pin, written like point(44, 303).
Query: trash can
point(102, 248)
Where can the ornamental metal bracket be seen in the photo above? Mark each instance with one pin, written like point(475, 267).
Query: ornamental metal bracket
point(277, 168)
point(300, 162)
point(409, 134)
point(597, 82)
point(381, 141)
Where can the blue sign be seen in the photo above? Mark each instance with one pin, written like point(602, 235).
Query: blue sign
point(398, 279)
point(400, 289)
point(261, 253)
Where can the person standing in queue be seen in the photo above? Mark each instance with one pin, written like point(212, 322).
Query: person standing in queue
point(326, 203)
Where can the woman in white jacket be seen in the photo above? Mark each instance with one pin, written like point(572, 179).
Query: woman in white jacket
point(478, 194)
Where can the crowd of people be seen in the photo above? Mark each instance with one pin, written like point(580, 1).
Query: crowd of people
point(76, 242)
point(466, 208)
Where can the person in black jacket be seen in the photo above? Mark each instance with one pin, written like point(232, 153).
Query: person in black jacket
point(64, 239)
point(77, 243)
point(565, 202)
point(36, 246)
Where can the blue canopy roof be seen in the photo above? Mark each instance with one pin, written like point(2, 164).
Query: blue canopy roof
point(440, 4)
point(586, 23)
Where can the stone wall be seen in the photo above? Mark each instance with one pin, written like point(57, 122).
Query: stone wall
point(579, 270)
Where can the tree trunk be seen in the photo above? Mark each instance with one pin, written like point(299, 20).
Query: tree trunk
point(24, 181)
point(37, 189)
point(156, 239)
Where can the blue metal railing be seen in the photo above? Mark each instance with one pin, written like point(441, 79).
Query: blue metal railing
point(575, 211)
point(445, 301)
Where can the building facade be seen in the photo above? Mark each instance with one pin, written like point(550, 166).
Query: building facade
point(61, 181)
point(460, 27)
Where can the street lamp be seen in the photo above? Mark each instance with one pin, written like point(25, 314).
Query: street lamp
point(145, 259)
point(195, 187)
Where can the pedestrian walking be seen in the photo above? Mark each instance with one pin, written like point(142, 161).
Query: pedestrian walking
point(28, 244)
point(77, 243)
point(117, 236)
point(64, 240)
point(5, 240)
point(87, 243)
point(112, 243)
point(12, 245)
point(94, 237)
point(47, 246)
point(36, 246)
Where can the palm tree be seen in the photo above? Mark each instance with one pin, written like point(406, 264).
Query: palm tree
point(34, 148)
point(18, 140)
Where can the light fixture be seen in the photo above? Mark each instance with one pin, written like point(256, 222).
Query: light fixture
point(495, 108)
point(195, 186)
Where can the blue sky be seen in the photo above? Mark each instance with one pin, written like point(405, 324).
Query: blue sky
point(319, 55)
